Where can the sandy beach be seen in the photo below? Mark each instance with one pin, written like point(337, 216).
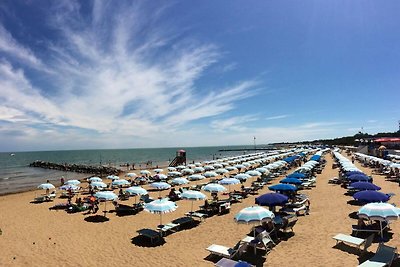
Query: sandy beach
point(33, 235)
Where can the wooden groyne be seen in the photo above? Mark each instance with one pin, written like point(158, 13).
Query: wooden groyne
point(80, 168)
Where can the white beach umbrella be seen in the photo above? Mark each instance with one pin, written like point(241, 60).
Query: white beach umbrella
point(193, 195)
point(171, 169)
point(209, 174)
point(113, 177)
point(187, 171)
point(212, 187)
point(158, 170)
point(242, 176)
point(174, 174)
point(95, 179)
point(73, 182)
point(46, 186)
point(105, 196)
point(221, 171)
point(199, 169)
point(136, 191)
point(131, 175)
point(196, 177)
point(120, 182)
point(209, 168)
point(145, 172)
point(160, 206)
point(98, 185)
point(179, 181)
point(254, 173)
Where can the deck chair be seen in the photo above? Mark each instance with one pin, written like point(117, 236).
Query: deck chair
point(289, 226)
point(226, 252)
point(348, 239)
point(384, 256)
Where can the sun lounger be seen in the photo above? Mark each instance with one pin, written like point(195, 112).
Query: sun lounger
point(372, 228)
point(183, 221)
point(227, 252)
point(384, 256)
point(231, 263)
point(199, 215)
point(149, 233)
point(263, 240)
point(169, 227)
point(354, 240)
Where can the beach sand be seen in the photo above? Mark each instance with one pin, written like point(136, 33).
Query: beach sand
point(32, 235)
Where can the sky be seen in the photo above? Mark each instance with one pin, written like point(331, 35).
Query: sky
point(133, 74)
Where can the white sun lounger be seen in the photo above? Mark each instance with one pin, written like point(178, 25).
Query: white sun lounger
point(354, 240)
point(384, 256)
point(227, 252)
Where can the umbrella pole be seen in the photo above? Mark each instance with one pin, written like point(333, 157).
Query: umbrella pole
point(161, 219)
point(191, 211)
point(105, 207)
point(380, 222)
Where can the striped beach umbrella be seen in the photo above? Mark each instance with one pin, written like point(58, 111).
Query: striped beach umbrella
point(46, 186)
point(95, 179)
point(160, 206)
point(73, 182)
point(193, 195)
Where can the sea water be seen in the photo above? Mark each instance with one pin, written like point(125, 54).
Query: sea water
point(16, 175)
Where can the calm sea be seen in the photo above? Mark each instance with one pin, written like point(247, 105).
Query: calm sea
point(16, 175)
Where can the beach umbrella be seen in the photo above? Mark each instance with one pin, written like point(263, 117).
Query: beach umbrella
point(229, 181)
point(195, 177)
point(160, 186)
point(46, 186)
point(231, 168)
point(254, 173)
point(72, 182)
point(187, 171)
point(371, 196)
point(283, 187)
point(272, 199)
point(198, 164)
point(179, 181)
point(296, 175)
point(240, 166)
point(120, 182)
point(105, 196)
point(192, 195)
point(131, 175)
point(199, 169)
point(95, 179)
point(174, 174)
point(291, 181)
point(158, 170)
point(160, 206)
point(145, 172)
point(171, 169)
point(209, 168)
point(69, 187)
point(380, 212)
point(263, 170)
point(364, 186)
point(180, 167)
point(113, 177)
point(209, 174)
point(98, 184)
point(254, 214)
point(242, 176)
point(215, 188)
point(136, 191)
point(161, 176)
point(218, 165)
point(221, 171)
point(359, 177)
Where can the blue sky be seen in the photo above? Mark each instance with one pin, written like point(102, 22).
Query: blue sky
point(126, 74)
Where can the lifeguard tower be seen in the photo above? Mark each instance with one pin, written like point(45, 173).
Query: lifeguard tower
point(180, 158)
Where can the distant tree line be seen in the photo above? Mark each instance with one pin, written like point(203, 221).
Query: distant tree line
point(347, 140)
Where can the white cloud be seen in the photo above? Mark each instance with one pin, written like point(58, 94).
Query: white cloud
point(109, 83)
point(277, 117)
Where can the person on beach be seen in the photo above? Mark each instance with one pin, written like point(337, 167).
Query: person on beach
point(62, 180)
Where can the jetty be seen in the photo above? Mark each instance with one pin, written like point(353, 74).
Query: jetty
point(80, 168)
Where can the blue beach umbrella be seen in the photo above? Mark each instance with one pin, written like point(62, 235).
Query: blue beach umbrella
point(283, 187)
point(371, 196)
point(364, 186)
point(272, 199)
point(359, 177)
point(296, 175)
point(291, 181)
point(160, 206)
point(193, 195)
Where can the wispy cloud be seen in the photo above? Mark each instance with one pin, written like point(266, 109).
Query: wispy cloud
point(277, 117)
point(233, 123)
point(116, 74)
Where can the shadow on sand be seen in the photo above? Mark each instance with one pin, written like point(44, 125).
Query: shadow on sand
point(96, 219)
point(142, 241)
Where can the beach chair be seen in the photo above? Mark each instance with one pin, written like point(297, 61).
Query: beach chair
point(291, 222)
point(384, 256)
point(263, 240)
point(149, 233)
point(169, 227)
point(224, 262)
point(196, 214)
point(227, 252)
point(348, 239)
